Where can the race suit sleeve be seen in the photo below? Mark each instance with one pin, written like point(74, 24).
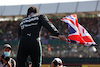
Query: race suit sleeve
point(48, 25)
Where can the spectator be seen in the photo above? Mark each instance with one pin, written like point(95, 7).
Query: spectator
point(5, 60)
point(57, 62)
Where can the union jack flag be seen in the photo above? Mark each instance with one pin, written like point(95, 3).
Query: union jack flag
point(77, 33)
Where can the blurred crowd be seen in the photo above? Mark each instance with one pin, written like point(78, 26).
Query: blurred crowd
point(69, 50)
point(9, 32)
point(9, 29)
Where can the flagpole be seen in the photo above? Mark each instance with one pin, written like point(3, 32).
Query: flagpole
point(54, 37)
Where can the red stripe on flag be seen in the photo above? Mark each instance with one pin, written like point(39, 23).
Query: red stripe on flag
point(70, 20)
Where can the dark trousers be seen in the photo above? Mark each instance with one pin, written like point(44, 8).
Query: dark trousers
point(29, 47)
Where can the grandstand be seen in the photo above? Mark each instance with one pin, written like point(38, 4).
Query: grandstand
point(88, 13)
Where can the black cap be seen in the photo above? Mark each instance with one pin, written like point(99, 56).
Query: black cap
point(7, 46)
point(32, 9)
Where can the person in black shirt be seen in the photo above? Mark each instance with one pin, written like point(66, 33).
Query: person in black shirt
point(29, 37)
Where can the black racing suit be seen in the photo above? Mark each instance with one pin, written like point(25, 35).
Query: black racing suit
point(29, 43)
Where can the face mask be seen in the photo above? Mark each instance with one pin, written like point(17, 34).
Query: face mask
point(7, 54)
